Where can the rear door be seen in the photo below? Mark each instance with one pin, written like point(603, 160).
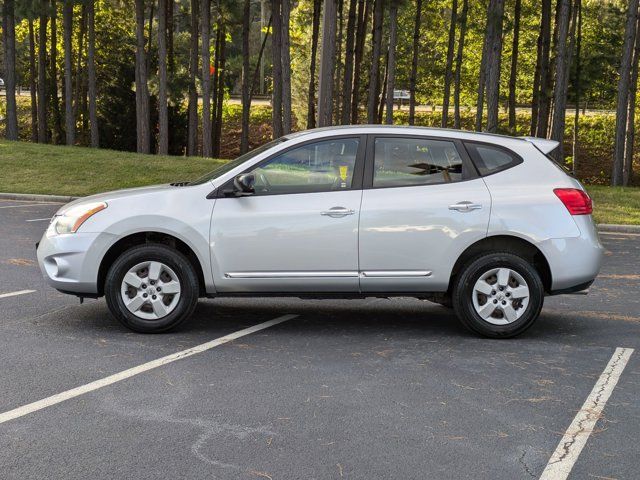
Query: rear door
point(423, 204)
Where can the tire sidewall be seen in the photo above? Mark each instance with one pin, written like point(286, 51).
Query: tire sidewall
point(152, 252)
point(463, 292)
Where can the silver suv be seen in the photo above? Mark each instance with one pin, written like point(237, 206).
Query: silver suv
point(485, 224)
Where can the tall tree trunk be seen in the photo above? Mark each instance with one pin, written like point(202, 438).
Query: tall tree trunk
point(363, 20)
point(414, 62)
point(163, 108)
point(514, 66)
point(391, 62)
point(338, 67)
point(327, 65)
point(257, 73)
point(347, 82)
point(69, 120)
point(205, 28)
point(77, 104)
point(448, 72)
point(171, 61)
point(623, 93)
point(627, 169)
point(9, 43)
point(286, 67)
point(53, 66)
point(482, 77)
point(376, 53)
point(142, 89)
point(214, 94)
point(562, 79)
point(459, 56)
point(383, 89)
point(220, 89)
point(577, 86)
point(192, 133)
point(150, 35)
point(311, 95)
point(276, 55)
point(43, 128)
point(246, 94)
point(542, 109)
point(493, 65)
point(32, 82)
point(91, 73)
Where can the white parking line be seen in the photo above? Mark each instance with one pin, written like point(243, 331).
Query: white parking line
point(626, 234)
point(13, 294)
point(145, 367)
point(39, 219)
point(576, 436)
point(28, 205)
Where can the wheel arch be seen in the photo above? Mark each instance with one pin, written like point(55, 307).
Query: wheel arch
point(508, 243)
point(148, 237)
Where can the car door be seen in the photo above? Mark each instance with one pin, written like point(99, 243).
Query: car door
point(422, 205)
point(299, 231)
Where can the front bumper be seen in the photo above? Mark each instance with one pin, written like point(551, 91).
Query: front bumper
point(70, 263)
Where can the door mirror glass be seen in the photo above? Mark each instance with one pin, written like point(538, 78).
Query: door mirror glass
point(244, 184)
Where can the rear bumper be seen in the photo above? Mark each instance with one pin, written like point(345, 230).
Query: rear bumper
point(70, 263)
point(576, 261)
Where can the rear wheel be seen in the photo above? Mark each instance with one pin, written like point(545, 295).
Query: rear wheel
point(151, 288)
point(498, 295)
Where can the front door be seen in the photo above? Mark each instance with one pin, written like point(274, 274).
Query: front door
point(423, 204)
point(299, 231)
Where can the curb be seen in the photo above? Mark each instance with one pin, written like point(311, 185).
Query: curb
point(33, 197)
point(605, 227)
point(602, 227)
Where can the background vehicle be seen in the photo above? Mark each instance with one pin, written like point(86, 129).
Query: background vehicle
point(484, 223)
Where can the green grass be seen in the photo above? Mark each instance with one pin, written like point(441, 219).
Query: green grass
point(31, 168)
point(617, 205)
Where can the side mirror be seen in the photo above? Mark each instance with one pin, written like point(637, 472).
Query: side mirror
point(244, 184)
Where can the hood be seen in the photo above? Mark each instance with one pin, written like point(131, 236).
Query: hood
point(113, 195)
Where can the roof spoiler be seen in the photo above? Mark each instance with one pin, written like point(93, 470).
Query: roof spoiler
point(544, 145)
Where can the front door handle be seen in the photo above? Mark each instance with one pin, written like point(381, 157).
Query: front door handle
point(465, 206)
point(337, 212)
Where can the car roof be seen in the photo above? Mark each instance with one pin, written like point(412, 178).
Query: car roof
point(542, 144)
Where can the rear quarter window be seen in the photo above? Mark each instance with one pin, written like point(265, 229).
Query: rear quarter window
point(490, 159)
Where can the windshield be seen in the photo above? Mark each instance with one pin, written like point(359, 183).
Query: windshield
point(231, 164)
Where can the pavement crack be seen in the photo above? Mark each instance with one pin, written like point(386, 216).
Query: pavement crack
point(524, 464)
point(590, 412)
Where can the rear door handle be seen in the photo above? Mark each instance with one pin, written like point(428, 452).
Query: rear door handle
point(465, 206)
point(337, 212)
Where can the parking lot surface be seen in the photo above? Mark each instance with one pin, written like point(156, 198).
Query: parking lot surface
point(340, 389)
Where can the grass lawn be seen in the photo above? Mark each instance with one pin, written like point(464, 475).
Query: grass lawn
point(617, 205)
point(76, 171)
point(32, 168)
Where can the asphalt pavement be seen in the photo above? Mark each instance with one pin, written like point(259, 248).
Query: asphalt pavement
point(357, 389)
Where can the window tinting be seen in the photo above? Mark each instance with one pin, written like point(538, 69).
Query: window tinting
point(490, 159)
point(415, 161)
point(322, 166)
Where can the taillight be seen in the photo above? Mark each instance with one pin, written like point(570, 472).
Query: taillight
point(577, 201)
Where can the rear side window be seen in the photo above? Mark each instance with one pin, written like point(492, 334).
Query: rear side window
point(489, 159)
point(403, 162)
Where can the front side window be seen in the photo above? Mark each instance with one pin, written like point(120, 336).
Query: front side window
point(416, 161)
point(489, 159)
point(321, 166)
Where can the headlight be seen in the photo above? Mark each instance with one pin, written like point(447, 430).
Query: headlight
point(70, 220)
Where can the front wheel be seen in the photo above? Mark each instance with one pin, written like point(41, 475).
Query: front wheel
point(151, 288)
point(498, 295)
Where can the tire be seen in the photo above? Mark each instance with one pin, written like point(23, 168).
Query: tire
point(505, 315)
point(160, 310)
